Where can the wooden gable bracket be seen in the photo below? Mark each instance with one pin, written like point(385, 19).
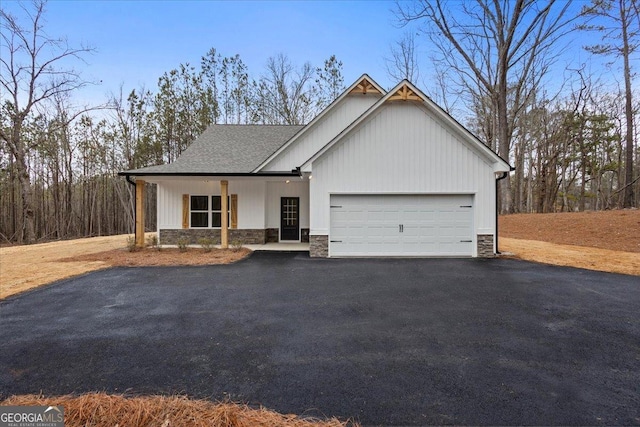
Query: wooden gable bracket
point(364, 87)
point(404, 94)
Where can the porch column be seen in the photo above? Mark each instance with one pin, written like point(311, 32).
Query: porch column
point(224, 232)
point(140, 213)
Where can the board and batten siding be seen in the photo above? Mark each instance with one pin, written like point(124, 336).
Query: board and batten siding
point(295, 188)
point(403, 149)
point(327, 128)
point(251, 213)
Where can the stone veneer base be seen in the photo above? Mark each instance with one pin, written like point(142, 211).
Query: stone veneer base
point(192, 235)
point(485, 246)
point(319, 246)
point(272, 235)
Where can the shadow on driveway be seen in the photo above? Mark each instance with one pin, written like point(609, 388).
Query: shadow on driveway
point(388, 341)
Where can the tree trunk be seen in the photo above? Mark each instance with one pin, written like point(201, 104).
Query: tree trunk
point(583, 184)
point(28, 226)
point(14, 214)
point(519, 176)
point(628, 198)
point(583, 169)
point(26, 191)
point(504, 141)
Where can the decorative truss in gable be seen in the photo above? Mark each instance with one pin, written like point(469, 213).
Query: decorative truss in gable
point(364, 87)
point(405, 94)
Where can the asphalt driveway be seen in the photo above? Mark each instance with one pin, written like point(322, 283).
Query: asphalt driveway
point(393, 342)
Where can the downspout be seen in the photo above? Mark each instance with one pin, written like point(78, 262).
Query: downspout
point(503, 176)
point(128, 178)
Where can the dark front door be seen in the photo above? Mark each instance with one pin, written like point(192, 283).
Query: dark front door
point(289, 218)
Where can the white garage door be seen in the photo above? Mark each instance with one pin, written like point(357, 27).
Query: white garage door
point(401, 225)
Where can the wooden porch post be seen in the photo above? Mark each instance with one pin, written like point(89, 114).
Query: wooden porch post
point(224, 233)
point(140, 213)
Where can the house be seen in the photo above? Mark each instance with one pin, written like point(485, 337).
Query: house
point(376, 173)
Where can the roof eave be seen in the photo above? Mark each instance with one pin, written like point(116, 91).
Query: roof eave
point(243, 174)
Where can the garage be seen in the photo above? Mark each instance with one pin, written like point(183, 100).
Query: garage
point(401, 225)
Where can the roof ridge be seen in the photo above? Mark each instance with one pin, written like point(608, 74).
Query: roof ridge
point(251, 124)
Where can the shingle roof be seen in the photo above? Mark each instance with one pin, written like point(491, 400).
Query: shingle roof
point(226, 149)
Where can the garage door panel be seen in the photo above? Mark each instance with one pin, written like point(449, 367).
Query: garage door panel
point(432, 225)
point(419, 216)
point(420, 248)
point(419, 231)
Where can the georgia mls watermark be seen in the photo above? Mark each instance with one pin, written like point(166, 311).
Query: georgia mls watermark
point(31, 416)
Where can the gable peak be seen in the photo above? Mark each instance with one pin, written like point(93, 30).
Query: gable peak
point(405, 93)
point(365, 86)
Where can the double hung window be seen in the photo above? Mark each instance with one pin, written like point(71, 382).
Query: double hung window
point(206, 211)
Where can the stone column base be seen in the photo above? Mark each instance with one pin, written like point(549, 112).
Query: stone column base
point(272, 235)
point(319, 246)
point(485, 246)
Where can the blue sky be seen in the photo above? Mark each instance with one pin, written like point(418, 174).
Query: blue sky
point(137, 41)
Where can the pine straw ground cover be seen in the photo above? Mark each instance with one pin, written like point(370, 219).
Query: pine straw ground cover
point(104, 410)
point(166, 256)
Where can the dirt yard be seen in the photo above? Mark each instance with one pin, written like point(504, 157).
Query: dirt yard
point(26, 267)
point(615, 230)
point(602, 241)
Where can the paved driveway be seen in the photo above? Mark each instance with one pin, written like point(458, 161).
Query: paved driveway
point(397, 341)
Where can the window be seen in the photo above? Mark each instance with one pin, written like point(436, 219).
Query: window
point(290, 211)
point(201, 211)
point(216, 208)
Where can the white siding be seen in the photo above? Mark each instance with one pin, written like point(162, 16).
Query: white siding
point(276, 190)
point(402, 149)
point(328, 127)
point(251, 213)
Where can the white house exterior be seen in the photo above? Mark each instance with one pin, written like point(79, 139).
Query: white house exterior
point(375, 174)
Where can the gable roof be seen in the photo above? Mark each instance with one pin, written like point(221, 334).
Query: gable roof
point(225, 149)
point(363, 85)
point(406, 91)
point(246, 149)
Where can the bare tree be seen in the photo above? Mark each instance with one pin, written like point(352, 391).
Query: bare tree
point(285, 93)
point(403, 60)
point(30, 76)
point(620, 31)
point(501, 48)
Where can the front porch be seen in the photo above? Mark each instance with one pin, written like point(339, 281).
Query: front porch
point(266, 247)
point(280, 247)
point(259, 210)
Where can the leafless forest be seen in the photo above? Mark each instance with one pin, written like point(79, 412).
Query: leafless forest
point(573, 145)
